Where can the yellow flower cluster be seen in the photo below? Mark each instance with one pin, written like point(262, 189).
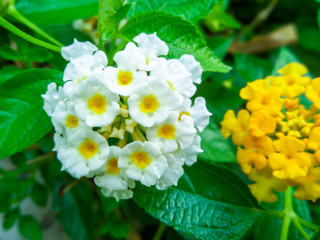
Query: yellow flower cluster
point(278, 138)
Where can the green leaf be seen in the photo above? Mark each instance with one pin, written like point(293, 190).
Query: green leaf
point(111, 13)
point(180, 35)
point(74, 210)
point(30, 228)
point(210, 202)
point(192, 10)
point(25, 51)
point(22, 120)
point(215, 147)
point(220, 45)
point(43, 12)
point(39, 194)
point(10, 218)
point(250, 68)
point(318, 18)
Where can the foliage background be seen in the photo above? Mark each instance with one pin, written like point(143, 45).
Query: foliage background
point(254, 38)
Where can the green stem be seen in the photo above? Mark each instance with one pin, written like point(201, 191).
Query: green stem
point(287, 214)
point(99, 27)
point(160, 232)
point(308, 224)
point(27, 37)
point(300, 229)
point(14, 13)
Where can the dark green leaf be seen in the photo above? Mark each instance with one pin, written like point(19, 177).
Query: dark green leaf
point(215, 147)
point(180, 35)
point(30, 228)
point(210, 202)
point(250, 68)
point(192, 10)
point(22, 120)
point(319, 18)
point(39, 194)
point(284, 57)
point(10, 218)
point(74, 210)
point(43, 12)
point(220, 45)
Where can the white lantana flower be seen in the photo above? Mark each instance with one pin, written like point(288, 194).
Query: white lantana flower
point(143, 161)
point(83, 67)
point(52, 97)
point(95, 103)
point(151, 46)
point(176, 76)
point(170, 132)
point(84, 152)
point(192, 66)
point(112, 179)
point(65, 119)
point(78, 49)
point(155, 127)
point(151, 103)
point(189, 154)
point(126, 77)
point(173, 173)
point(198, 112)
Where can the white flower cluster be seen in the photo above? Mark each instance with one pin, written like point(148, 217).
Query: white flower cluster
point(133, 122)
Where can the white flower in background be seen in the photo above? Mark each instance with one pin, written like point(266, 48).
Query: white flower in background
point(112, 179)
point(95, 103)
point(192, 66)
point(78, 49)
point(151, 46)
point(176, 76)
point(81, 68)
point(143, 161)
point(142, 105)
point(65, 119)
point(52, 97)
point(171, 132)
point(198, 112)
point(85, 151)
point(126, 77)
point(151, 103)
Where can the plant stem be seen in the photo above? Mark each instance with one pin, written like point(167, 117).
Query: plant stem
point(308, 224)
point(160, 232)
point(287, 214)
point(14, 13)
point(300, 229)
point(27, 37)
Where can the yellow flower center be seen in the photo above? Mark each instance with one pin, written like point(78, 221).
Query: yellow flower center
point(97, 103)
point(112, 167)
point(167, 131)
point(149, 104)
point(124, 78)
point(88, 149)
point(71, 121)
point(141, 159)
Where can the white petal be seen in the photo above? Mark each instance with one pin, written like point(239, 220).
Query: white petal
point(78, 49)
point(192, 66)
point(200, 114)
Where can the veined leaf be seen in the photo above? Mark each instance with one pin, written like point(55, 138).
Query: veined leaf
point(180, 35)
point(192, 10)
point(22, 120)
point(210, 202)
